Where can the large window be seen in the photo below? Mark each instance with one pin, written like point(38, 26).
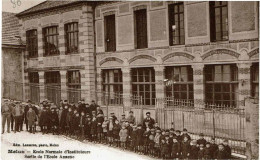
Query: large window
point(255, 80)
point(143, 85)
point(140, 29)
point(110, 33)
point(218, 21)
point(32, 43)
point(74, 86)
point(34, 87)
point(71, 37)
point(112, 86)
point(221, 84)
point(52, 87)
point(50, 39)
point(179, 83)
point(176, 23)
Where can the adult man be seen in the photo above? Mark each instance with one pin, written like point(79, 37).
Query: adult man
point(149, 120)
point(63, 118)
point(93, 106)
point(131, 118)
point(17, 113)
point(6, 111)
point(123, 119)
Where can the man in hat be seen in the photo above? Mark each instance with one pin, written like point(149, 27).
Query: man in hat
point(148, 119)
point(123, 119)
point(131, 118)
point(6, 111)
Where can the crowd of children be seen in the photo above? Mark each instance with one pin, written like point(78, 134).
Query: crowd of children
point(88, 123)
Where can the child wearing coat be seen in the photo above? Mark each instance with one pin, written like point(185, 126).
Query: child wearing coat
point(164, 149)
point(110, 134)
point(104, 127)
point(207, 152)
point(87, 127)
point(31, 116)
point(75, 124)
point(100, 120)
point(193, 150)
point(176, 147)
point(139, 137)
point(93, 128)
point(54, 119)
point(116, 130)
point(82, 123)
point(151, 142)
point(201, 152)
point(123, 136)
point(185, 148)
point(157, 143)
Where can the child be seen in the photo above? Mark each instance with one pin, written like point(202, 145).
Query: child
point(178, 136)
point(93, 128)
point(221, 153)
point(123, 136)
point(176, 148)
point(214, 147)
point(31, 116)
point(100, 120)
point(193, 150)
point(185, 148)
point(201, 140)
point(185, 134)
point(139, 137)
point(43, 120)
point(146, 140)
point(227, 149)
point(68, 122)
point(54, 121)
point(82, 124)
point(110, 131)
point(164, 149)
point(151, 142)
point(75, 124)
point(201, 152)
point(104, 127)
point(116, 130)
point(134, 137)
point(87, 127)
point(157, 143)
point(207, 152)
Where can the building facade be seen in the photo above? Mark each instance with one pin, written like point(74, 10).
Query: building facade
point(12, 58)
point(204, 52)
point(59, 58)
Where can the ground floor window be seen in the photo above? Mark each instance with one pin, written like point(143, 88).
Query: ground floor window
point(143, 85)
point(34, 87)
point(179, 82)
point(53, 86)
point(255, 80)
point(112, 85)
point(74, 86)
point(221, 84)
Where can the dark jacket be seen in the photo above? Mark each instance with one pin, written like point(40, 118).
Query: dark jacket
point(185, 149)
point(44, 118)
point(201, 141)
point(93, 126)
point(194, 152)
point(139, 136)
point(221, 154)
point(54, 119)
point(176, 148)
point(207, 153)
point(164, 148)
point(69, 118)
point(185, 135)
point(228, 151)
point(75, 122)
point(150, 121)
point(100, 120)
point(82, 121)
point(201, 154)
point(63, 118)
point(116, 130)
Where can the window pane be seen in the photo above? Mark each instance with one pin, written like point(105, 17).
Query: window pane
point(218, 73)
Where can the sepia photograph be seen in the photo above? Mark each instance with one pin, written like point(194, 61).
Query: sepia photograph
point(129, 80)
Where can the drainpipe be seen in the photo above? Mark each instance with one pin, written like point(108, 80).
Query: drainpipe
point(94, 49)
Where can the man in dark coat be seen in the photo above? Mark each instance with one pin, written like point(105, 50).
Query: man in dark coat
point(93, 106)
point(63, 119)
point(26, 109)
point(148, 119)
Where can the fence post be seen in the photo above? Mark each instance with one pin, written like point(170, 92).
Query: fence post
point(213, 118)
point(252, 128)
point(183, 120)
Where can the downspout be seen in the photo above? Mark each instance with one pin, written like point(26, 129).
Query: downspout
point(94, 49)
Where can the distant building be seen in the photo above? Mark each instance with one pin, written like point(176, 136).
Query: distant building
point(12, 57)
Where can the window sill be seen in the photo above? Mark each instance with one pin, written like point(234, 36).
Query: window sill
point(219, 42)
point(54, 55)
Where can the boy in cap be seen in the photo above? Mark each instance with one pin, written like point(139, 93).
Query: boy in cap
point(221, 153)
point(227, 149)
point(75, 124)
point(185, 134)
point(185, 148)
point(151, 142)
point(146, 140)
point(87, 127)
point(110, 134)
point(123, 119)
point(201, 140)
point(116, 130)
point(207, 152)
point(139, 138)
point(123, 134)
point(214, 147)
point(176, 148)
point(82, 123)
point(100, 120)
point(201, 152)
point(157, 143)
point(193, 150)
point(54, 121)
point(93, 127)
point(104, 127)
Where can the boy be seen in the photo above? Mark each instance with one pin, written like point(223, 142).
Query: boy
point(164, 149)
point(207, 153)
point(151, 142)
point(193, 150)
point(68, 122)
point(201, 140)
point(93, 127)
point(100, 120)
point(123, 136)
point(185, 134)
point(185, 148)
point(227, 149)
point(87, 127)
point(178, 136)
point(116, 130)
point(104, 127)
point(82, 123)
point(139, 137)
point(201, 152)
point(157, 143)
point(76, 126)
point(176, 147)
point(221, 153)
point(31, 115)
point(54, 121)
point(214, 147)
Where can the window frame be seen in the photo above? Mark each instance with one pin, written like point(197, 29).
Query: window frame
point(106, 84)
point(74, 86)
point(254, 82)
point(109, 47)
point(69, 39)
point(47, 50)
point(213, 33)
point(143, 41)
point(169, 72)
point(32, 43)
point(222, 90)
point(141, 85)
point(171, 19)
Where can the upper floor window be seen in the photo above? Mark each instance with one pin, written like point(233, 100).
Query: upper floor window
point(71, 38)
point(221, 86)
point(140, 29)
point(218, 21)
point(110, 33)
point(255, 80)
point(176, 23)
point(50, 39)
point(32, 43)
